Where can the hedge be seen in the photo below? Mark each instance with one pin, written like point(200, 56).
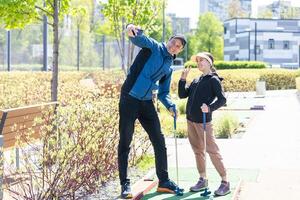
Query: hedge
point(243, 80)
point(233, 64)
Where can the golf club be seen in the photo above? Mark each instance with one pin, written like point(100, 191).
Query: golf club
point(206, 191)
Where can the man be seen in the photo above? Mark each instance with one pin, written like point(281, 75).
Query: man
point(149, 72)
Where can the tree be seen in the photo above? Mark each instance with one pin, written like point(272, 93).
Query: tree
point(157, 31)
point(192, 43)
point(19, 13)
point(266, 14)
point(209, 35)
point(290, 13)
point(81, 35)
point(121, 12)
point(235, 9)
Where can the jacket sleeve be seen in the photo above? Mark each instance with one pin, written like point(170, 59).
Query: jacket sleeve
point(164, 91)
point(143, 41)
point(183, 90)
point(221, 100)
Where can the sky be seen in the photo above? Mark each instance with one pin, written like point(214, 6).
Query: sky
point(190, 8)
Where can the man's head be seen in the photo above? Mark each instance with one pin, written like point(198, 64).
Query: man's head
point(176, 44)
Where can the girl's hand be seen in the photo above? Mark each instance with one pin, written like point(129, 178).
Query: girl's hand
point(204, 108)
point(185, 73)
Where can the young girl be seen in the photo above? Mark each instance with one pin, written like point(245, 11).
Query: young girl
point(201, 94)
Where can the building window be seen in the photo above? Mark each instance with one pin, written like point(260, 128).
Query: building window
point(225, 30)
point(271, 44)
point(286, 44)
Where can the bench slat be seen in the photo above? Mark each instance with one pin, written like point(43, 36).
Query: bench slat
point(35, 129)
point(9, 143)
point(22, 119)
point(24, 111)
point(15, 112)
point(15, 128)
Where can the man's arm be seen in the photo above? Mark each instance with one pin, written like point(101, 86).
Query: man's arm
point(137, 37)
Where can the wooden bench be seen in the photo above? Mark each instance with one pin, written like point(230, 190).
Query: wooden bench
point(15, 124)
point(15, 121)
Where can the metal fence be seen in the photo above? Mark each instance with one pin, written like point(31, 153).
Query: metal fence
point(81, 50)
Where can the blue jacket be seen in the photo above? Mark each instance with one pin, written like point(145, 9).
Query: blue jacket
point(151, 70)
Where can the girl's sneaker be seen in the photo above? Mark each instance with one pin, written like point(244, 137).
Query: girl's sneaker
point(200, 185)
point(223, 189)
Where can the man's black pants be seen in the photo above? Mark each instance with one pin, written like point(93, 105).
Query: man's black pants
point(131, 109)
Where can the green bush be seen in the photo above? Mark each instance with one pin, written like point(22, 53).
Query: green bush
point(277, 79)
point(167, 125)
point(146, 162)
point(238, 80)
point(225, 125)
point(191, 64)
point(182, 106)
point(239, 65)
point(181, 130)
point(87, 124)
point(232, 64)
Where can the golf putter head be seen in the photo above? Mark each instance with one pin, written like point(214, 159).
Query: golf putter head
point(179, 192)
point(206, 193)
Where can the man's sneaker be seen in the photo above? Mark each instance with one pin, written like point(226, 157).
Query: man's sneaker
point(200, 185)
point(126, 191)
point(169, 187)
point(223, 189)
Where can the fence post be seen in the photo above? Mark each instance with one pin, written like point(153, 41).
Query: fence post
point(8, 50)
point(103, 52)
point(45, 44)
point(78, 47)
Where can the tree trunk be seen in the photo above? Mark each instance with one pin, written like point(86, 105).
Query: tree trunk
point(54, 81)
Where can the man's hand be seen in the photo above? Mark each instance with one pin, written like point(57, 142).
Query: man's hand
point(185, 73)
point(173, 112)
point(132, 30)
point(204, 108)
